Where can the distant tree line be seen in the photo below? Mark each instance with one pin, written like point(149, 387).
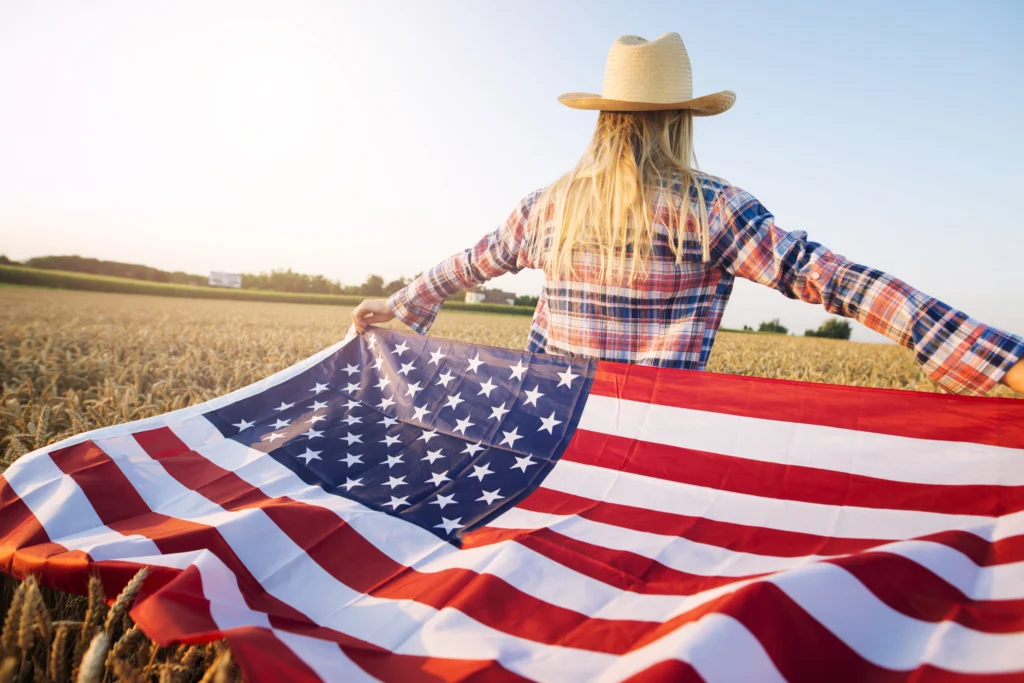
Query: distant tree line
point(833, 328)
point(285, 280)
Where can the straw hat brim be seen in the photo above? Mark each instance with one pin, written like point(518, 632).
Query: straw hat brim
point(706, 105)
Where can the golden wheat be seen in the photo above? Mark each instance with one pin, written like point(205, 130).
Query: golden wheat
point(74, 361)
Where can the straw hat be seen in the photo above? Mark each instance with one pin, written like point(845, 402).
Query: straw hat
point(642, 75)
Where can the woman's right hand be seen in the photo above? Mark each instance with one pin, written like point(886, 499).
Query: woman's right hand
point(375, 311)
point(1014, 378)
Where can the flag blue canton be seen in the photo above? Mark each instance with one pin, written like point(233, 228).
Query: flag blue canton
point(443, 434)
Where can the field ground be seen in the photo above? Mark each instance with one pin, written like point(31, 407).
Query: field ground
point(72, 361)
point(95, 359)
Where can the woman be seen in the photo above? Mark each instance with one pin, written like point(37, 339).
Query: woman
point(640, 249)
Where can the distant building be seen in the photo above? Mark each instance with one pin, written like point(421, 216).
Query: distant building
point(479, 295)
point(225, 279)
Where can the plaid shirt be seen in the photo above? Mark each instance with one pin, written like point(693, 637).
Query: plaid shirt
point(671, 318)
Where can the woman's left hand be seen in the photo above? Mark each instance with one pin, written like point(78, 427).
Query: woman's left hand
point(375, 311)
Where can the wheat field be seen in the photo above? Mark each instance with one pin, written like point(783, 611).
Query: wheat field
point(74, 361)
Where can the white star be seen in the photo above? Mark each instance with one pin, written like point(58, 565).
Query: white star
point(378, 362)
point(351, 369)
point(312, 433)
point(386, 403)
point(350, 405)
point(352, 483)
point(372, 340)
point(444, 500)
point(449, 525)
point(394, 482)
point(474, 363)
point(487, 387)
point(243, 425)
point(436, 356)
point(462, 425)
point(388, 440)
point(352, 438)
point(352, 419)
point(272, 437)
point(433, 455)
point(317, 405)
point(388, 421)
point(406, 368)
point(281, 424)
point(517, 370)
point(498, 412)
point(427, 436)
point(437, 478)
point(318, 388)
point(316, 418)
point(444, 378)
point(490, 496)
point(548, 423)
point(393, 460)
point(384, 382)
point(419, 413)
point(523, 463)
point(284, 406)
point(532, 396)
point(511, 437)
point(481, 472)
point(396, 502)
point(350, 387)
point(411, 389)
point(310, 455)
point(454, 401)
point(401, 348)
point(351, 459)
point(473, 449)
point(567, 377)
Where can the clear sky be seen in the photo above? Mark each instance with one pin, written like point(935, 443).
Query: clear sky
point(345, 138)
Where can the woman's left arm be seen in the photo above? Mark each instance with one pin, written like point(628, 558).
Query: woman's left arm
point(419, 302)
point(961, 354)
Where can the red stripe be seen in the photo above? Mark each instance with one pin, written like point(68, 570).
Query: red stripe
point(668, 671)
point(992, 421)
point(262, 657)
point(785, 481)
point(752, 539)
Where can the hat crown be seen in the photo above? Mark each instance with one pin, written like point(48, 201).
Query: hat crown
point(638, 70)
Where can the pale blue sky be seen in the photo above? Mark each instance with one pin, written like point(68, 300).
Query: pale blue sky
point(349, 138)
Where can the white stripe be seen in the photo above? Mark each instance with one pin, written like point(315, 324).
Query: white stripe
point(897, 458)
point(997, 582)
point(890, 639)
point(830, 521)
point(326, 659)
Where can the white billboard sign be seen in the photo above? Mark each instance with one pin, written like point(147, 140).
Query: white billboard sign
point(225, 280)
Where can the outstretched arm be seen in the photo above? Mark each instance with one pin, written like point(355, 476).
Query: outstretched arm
point(961, 354)
point(418, 303)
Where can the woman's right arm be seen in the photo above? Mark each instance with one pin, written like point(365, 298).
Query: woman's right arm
point(961, 354)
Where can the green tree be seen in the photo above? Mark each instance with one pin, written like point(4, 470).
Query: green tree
point(774, 326)
point(374, 286)
point(833, 328)
point(526, 300)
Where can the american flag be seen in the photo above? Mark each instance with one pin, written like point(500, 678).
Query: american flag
point(405, 508)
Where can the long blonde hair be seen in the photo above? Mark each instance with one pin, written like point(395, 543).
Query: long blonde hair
point(604, 205)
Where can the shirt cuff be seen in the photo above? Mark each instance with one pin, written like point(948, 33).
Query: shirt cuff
point(418, 317)
point(979, 363)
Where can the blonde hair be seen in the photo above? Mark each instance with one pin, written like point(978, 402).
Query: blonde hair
point(605, 204)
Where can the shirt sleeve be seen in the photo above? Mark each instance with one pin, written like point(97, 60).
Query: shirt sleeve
point(501, 251)
point(961, 354)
